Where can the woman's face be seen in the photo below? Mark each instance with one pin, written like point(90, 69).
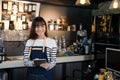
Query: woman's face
point(40, 30)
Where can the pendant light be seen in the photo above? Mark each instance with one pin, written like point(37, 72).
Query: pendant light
point(82, 2)
point(114, 4)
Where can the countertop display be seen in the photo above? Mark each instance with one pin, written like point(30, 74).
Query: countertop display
point(17, 61)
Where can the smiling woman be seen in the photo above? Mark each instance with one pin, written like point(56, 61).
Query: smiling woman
point(38, 26)
point(40, 30)
point(39, 47)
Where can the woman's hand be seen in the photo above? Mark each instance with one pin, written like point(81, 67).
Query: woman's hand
point(45, 65)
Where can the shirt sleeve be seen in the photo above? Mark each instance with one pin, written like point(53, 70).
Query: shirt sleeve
point(53, 52)
point(27, 61)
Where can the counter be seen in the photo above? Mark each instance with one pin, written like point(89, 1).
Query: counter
point(17, 61)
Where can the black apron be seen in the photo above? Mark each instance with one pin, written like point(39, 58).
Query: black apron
point(39, 73)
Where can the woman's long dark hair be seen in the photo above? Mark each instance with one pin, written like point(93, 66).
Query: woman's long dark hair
point(36, 22)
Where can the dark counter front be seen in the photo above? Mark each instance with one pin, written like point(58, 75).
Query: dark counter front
point(15, 66)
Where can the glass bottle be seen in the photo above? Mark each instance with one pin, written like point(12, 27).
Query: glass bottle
point(2, 47)
point(80, 33)
point(51, 24)
point(75, 47)
point(86, 45)
point(63, 44)
point(1, 26)
point(60, 45)
point(11, 25)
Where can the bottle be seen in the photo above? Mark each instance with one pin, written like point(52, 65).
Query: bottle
point(15, 8)
point(11, 25)
point(2, 48)
point(60, 45)
point(21, 35)
point(80, 33)
point(1, 26)
point(75, 47)
point(81, 48)
point(56, 40)
point(86, 45)
point(63, 44)
point(51, 25)
point(24, 26)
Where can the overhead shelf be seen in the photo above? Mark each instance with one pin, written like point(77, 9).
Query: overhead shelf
point(103, 8)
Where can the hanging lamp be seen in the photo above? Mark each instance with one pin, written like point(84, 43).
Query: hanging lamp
point(114, 4)
point(82, 2)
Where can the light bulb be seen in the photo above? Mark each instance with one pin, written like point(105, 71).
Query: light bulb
point(82, 1)
point(115, 4)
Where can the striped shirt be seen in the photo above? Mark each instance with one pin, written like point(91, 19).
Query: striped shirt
point(51, 50)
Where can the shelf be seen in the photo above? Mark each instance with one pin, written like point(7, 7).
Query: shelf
point(107, 44)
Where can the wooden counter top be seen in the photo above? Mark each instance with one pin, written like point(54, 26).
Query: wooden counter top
point(17, 61)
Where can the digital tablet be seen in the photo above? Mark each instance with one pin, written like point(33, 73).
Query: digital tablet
point(37, 62)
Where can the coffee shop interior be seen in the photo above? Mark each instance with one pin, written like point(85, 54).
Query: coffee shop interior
point(87, 33)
